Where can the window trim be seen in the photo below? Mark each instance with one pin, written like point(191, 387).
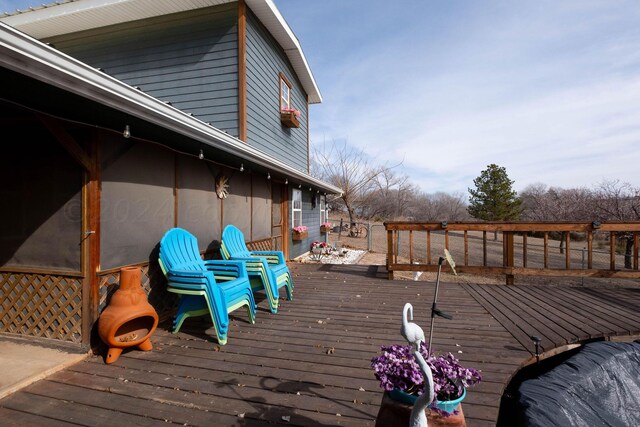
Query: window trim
point(282, 79)
point(324, 212)
point(293, 207)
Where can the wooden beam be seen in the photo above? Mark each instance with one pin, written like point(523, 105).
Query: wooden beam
point(242, 71)
point(66, 140)
point(91, 240)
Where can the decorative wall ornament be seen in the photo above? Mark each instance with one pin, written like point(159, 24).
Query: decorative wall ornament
point(221, 186)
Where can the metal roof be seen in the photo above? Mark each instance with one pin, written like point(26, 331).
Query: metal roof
point(69, 16)
point(30, 57)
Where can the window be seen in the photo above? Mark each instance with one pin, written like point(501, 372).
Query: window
point(296, 212)
point(324, 212)
point(285, 93)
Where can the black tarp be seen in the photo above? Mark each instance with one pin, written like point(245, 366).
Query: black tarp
point(598, 386)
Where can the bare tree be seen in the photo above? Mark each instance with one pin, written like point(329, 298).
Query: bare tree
point(542, 203)
point(350, 169)
point(391, 196)
point(619, 201)
point(441, 207)
point(556, 204)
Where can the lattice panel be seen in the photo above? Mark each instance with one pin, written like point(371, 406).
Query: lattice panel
point(41, 305)
point(153, 282)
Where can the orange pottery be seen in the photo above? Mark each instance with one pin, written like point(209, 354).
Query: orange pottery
point(129, 320)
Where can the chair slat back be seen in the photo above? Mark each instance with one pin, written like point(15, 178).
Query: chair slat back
point(179, 251)
point(234, 242)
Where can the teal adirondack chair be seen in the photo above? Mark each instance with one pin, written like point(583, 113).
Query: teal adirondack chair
point(205, 287)
point(267, 269)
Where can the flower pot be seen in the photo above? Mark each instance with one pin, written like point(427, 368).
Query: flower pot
point(324, 229)
point(289, 119)
point(300, 235)
point(396, 411)
point(451, 405)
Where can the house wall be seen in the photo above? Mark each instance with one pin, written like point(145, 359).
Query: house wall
point(137, 201)
point(265, 60)
point(189, 59)
point(310, 218)
point(147, 189)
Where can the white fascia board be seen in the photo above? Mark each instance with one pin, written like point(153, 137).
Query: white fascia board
point(25, 55)
point(69, 17)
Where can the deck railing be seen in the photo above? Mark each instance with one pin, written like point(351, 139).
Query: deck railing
point(517, 248)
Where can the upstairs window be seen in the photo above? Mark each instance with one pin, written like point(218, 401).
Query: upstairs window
point(289, 116)
point(285, 93)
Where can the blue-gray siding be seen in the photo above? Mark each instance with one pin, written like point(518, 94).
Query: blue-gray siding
point(189, 59)
point(265, 60)
point(310, 218)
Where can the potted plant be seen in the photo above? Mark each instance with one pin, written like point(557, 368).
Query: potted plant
point(326, 227)
point(300, 232)
point(400, 377)
point(318, 249)
point(290, 117)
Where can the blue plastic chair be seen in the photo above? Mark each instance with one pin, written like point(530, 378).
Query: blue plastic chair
point(267, 269)
point(213, 287)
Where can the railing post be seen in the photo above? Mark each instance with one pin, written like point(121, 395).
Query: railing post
point(508, 255)
point(369, 236)
point(389, 253)
point(583, 249)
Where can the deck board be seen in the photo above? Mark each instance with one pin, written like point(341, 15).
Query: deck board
point(309, 364)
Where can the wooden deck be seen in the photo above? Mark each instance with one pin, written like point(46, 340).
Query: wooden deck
point(309, 364)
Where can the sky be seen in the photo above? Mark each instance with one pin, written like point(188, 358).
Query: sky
point(548, 89)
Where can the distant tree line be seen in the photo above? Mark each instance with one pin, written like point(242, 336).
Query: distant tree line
point(375, 192)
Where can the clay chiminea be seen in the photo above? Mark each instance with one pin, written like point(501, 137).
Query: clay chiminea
point(129, 319)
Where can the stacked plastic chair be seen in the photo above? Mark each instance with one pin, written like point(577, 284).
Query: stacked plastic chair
point(213, 287)
point(267, 269)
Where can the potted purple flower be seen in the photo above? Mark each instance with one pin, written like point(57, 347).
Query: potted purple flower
point(400, 377)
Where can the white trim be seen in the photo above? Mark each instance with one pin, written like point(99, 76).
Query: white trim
point(295, 191)
point(72, 16)
point(25, 55)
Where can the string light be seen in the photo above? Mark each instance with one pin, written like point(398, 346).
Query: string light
point(127, 132)
point(268, 175)
point(241, 167)
point(286, 181)
point(201, 155)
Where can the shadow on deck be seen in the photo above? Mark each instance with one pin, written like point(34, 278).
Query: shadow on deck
point(309, 364)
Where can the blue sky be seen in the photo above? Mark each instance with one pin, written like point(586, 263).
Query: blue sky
point(550, 90)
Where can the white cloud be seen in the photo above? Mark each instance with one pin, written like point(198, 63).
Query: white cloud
point(550, 91)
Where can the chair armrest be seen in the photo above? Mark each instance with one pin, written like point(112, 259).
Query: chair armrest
point(189, 279)
point(273, 257)
point(227, 269)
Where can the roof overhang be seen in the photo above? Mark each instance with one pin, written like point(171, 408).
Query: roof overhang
point(27, 56)
point(64, 17)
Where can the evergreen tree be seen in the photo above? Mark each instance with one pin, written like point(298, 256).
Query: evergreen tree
point(493, 199)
